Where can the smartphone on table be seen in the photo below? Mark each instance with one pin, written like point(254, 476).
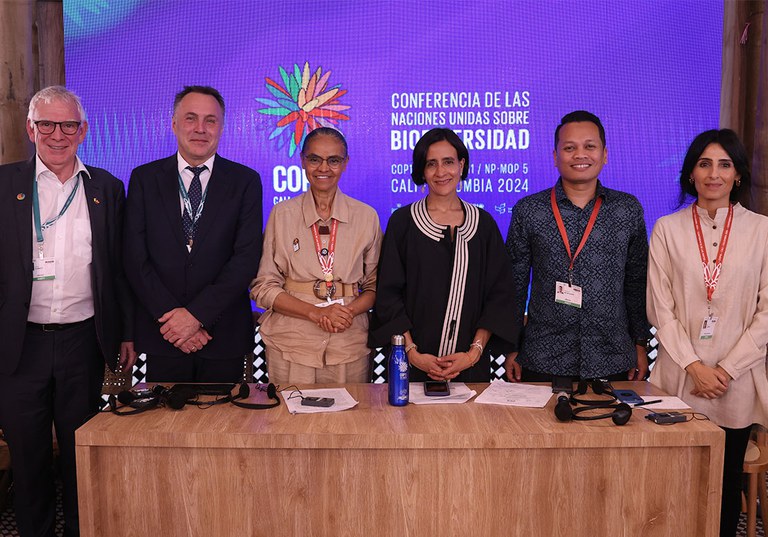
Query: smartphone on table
point(437, 388)
point(628, 396)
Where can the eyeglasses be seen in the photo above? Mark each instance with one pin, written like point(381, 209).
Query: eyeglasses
point(47, 127)
point(314, 161)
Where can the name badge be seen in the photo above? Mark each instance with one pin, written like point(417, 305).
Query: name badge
point(328, 303)
point(569, 295)
point(43, 268)
point(708, 328)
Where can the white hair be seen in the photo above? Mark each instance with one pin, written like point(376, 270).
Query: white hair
point(55, 93)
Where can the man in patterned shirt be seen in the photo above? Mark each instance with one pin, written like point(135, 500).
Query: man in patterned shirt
point(583, 248)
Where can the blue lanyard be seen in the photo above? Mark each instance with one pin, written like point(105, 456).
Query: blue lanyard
point(36, 212)
point(188, 204)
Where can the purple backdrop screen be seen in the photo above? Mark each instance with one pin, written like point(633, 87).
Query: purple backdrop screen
point(501, 73)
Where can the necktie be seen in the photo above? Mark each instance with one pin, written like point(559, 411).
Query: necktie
point(195, 194)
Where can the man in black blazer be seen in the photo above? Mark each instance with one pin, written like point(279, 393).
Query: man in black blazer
point(192, 246)
point(65, 307)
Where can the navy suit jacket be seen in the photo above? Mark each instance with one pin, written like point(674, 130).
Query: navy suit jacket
point(212, 280)
point(111, 295)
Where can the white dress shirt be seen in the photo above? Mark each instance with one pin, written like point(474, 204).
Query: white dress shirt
point(187, 175)
point(68, 298)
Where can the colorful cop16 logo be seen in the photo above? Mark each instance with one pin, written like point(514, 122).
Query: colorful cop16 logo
point(303, 103)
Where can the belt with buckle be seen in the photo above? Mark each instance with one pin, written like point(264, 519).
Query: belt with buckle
point(314, 288)
point(56, 327)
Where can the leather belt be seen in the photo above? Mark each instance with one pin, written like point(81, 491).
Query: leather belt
point(308, 288)
point(56, 327)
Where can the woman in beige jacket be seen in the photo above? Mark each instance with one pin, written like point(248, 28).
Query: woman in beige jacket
point(708, 297)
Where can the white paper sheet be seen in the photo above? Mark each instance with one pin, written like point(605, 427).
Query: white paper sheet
point(668, 402)
point(343, 400)
point(515, 394)
point(460, 393)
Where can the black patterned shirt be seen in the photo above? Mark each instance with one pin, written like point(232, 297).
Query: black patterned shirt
point(597, 339)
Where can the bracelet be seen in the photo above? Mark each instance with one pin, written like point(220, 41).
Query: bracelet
point(409, 347)
point(478, 346)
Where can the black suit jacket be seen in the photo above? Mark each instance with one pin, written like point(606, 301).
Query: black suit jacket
point(212, 280)
point(111, 295)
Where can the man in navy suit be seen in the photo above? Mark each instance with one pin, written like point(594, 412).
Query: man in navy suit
point(65, 307)
point(192, 246)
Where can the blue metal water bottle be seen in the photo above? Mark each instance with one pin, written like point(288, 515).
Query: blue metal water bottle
point(398, 372)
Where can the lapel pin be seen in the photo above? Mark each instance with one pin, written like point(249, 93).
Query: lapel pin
point(96, 201)
point(295, 245)
point(20, 196)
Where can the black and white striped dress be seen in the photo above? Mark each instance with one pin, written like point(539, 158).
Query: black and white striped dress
point(443, 289)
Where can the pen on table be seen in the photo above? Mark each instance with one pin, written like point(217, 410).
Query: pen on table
point(648, 402)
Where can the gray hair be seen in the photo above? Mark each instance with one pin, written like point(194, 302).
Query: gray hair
point(55, 93)
point(325, 131)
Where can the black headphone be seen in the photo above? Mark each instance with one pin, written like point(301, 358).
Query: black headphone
point(563, 410)
point(619, 412)
point(191, 393)
point(599, 387)
point(141, 402)
point(245, 391)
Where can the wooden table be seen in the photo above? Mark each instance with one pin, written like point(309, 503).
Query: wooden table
point(377, 470)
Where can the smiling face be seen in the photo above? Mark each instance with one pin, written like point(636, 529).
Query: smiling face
point(713, 176)
point(324, 159)
point(442, 170)
point(580, 154)
point(57, 150)
point(198, 122)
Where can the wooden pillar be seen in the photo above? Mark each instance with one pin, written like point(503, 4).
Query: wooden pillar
point(744, 89)
point(49, 25)
point(31, 57)
point(759, 149)
point(17, 77)
point(733, 83)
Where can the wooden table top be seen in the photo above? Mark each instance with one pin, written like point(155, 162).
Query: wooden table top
point(374, 424)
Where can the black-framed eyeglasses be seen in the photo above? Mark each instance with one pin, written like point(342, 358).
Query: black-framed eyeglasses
point(47, 127)
point(314, 161)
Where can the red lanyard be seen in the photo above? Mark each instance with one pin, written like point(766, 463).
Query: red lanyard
point(326, 261)
point(712, 276)
point(564, 233)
